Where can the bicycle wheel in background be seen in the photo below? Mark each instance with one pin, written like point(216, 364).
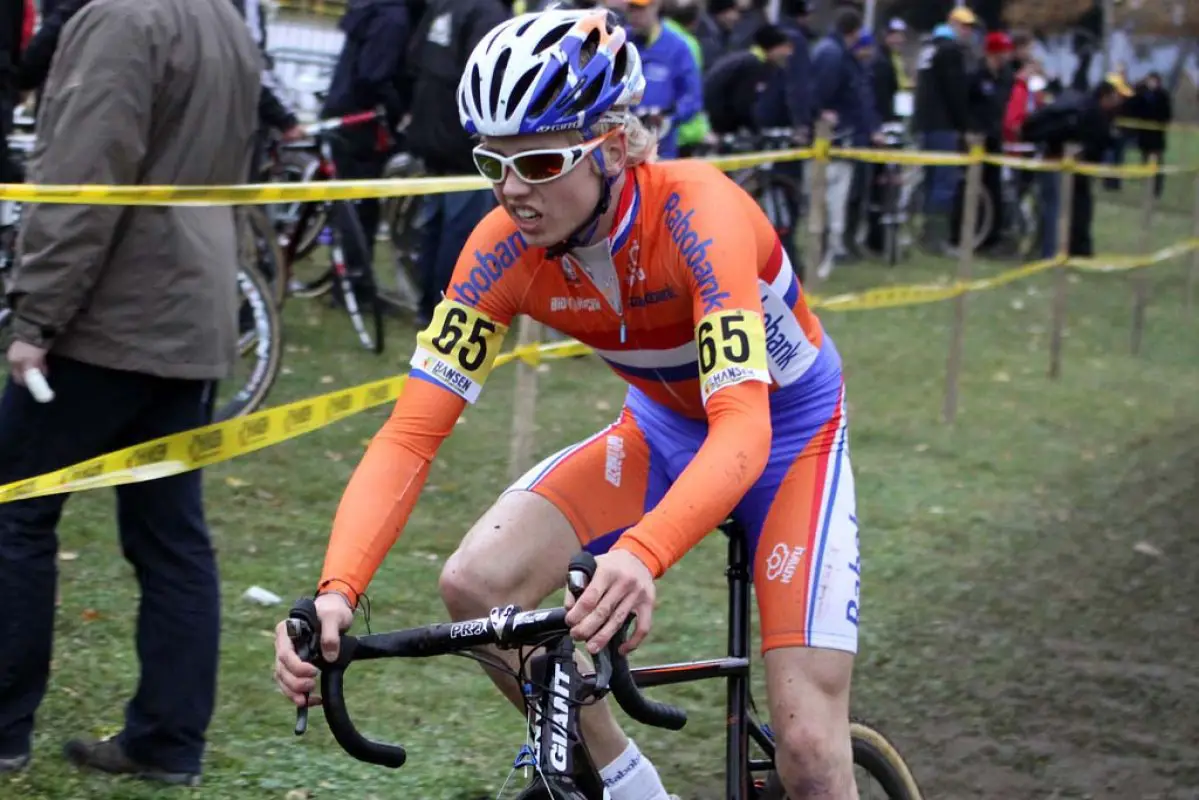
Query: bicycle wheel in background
point(258, 247)
point(779, 197)
point(297, 166)
point(260, 344)
point(356, 287)
point(405, 223)
point(404, 219)
point(879, 769)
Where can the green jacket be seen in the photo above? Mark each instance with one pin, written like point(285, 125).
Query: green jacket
point(696, 128)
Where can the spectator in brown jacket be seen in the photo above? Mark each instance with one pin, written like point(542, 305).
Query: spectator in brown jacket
point(130, 312)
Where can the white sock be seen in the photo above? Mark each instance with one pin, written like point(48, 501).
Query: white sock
point(633, 777)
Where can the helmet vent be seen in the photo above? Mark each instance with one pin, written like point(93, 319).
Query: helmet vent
point(587, 95)
point(476, 88)
point(522, 87)
point(590, 48)
point(620, 65)
point(497, 78)
point(521, 30)
point(552, 38)
point(549, 93)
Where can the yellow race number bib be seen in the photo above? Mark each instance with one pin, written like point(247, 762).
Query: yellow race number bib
point(458, 348)
point(732, 350)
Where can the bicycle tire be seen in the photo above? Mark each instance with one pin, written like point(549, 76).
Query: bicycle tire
point(768, 188)
point(873, 752)
point(264, 339)
point(404, 235)
point(296, 166)
point(258, 247)
point(359, 293)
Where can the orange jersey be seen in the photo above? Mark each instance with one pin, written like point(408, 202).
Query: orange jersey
point(691, 300)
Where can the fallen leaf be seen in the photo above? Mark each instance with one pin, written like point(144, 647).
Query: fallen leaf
point(263, 494)
point(90, 615)
point(1087, 455)
point(936, 510)
point(1147, 549)
point(298, 794)
point(1017, 304)
point(603, 405)
point(543, 368)
point(235, 483)
point(365, 443)
point(1001, 377)
point(920, 448)
point(68, 555)
point(332, 456)
point(461, 421)
point(326, 379)
point(286, 371)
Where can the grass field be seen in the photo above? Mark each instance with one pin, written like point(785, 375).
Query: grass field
point(1028, 625)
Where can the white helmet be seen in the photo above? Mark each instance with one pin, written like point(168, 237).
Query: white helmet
point(549, 71)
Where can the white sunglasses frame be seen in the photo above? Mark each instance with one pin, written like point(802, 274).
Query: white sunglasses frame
point(572, 157)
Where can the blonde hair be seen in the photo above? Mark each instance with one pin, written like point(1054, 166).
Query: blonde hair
point(642, 143)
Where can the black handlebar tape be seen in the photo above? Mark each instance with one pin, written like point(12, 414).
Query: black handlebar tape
point(630, 698)
point(342, 727)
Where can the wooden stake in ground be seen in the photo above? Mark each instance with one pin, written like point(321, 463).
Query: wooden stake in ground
point(1193, 273)
point(817, 192)
point(974, 180)
point(1061, 272)
point(1140, 281)
point(524, 404)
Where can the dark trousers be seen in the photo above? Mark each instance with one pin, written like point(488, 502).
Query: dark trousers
point(357, 158)
point(1082, 212)
point(449, 220)
point(163, 536)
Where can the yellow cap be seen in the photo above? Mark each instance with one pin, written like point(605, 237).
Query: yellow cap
point(1117, 82)
point(963, 15)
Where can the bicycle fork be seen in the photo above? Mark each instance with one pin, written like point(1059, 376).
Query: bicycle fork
point(563, 767)
point(341, 274)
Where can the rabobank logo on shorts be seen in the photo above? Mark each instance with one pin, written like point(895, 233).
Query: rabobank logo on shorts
point(489, 268)
point(694, 252)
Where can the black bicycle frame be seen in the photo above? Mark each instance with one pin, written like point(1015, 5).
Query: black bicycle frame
point(558, 746)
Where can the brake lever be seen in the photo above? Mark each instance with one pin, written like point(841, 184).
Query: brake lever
point(302, 628)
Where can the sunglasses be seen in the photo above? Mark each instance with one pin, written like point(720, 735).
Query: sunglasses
point(534, 166)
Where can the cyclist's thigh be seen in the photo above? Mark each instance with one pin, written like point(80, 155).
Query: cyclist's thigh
point(803, 530)
point(602, 485)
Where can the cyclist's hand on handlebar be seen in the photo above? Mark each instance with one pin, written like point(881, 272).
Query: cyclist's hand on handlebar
point(292, 134)
point(296, 678)
point(622, 585)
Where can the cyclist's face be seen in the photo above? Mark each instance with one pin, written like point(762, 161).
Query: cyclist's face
point(547, 213)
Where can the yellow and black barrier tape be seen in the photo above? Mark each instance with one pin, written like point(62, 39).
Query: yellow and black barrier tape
point(223, 441)
point(268, 193)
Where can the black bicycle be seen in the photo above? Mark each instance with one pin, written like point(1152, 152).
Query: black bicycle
point(555, 690)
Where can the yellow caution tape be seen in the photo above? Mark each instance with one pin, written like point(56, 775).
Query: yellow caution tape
point(210, 444)
point(887, 156)
point(1027, 164)
point(1145, 125)
point(223, 441)
point(757, 159)
point(267, 193)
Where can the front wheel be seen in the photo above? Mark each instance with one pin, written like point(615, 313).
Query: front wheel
point(879, 769)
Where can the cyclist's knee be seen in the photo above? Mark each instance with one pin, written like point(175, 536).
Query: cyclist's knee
point(810, 716)
point(516, 553)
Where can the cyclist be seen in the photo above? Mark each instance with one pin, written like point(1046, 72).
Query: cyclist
point(735, 404)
